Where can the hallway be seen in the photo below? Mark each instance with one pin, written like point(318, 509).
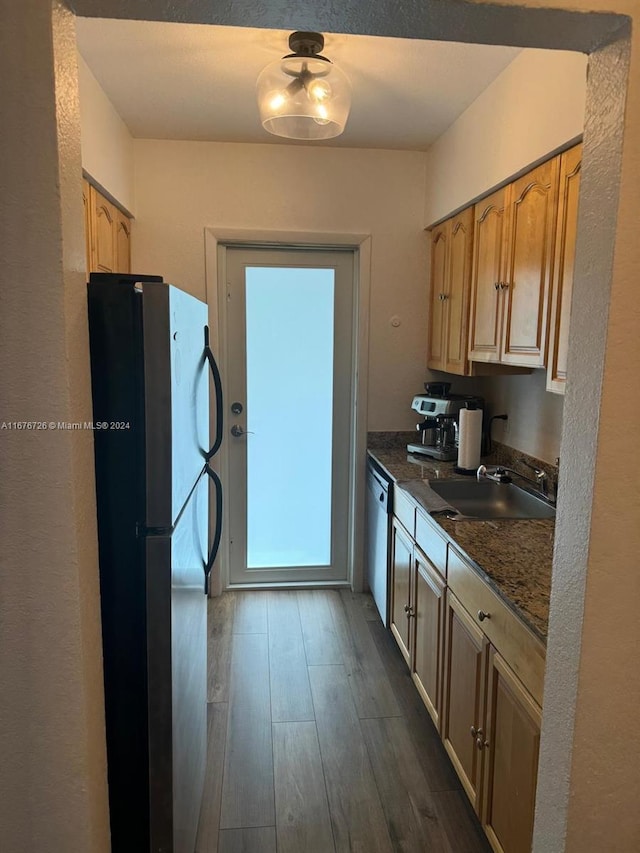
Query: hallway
point(317, 733)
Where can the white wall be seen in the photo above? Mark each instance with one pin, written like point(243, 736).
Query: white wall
point(534, 106)
point(107, 145)
point(535, 415)
point(182, 187)
point(53, 786)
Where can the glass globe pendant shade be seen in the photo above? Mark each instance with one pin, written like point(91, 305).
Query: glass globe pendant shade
point(303, 97)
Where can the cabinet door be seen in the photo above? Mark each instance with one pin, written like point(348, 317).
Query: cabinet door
point(401, 568)
point(464, 688)
point(487, 274)
point(104, 231)
point(123, 242)
point(427, 654)
point(529, 253)
point(456, 315)
point(511, 747)
point(565, 249)
point(86, 208)
point(439, 284)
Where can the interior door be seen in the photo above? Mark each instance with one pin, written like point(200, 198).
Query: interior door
point(290, 407)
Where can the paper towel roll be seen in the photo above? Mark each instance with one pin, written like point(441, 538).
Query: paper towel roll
point(469, 439)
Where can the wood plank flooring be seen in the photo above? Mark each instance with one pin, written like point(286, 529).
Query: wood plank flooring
point(318, 740)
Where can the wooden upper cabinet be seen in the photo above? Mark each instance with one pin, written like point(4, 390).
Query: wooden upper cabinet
point(86, 208)
point(511, 746)
point(123, 242)
point(458, 292)
point(566, 229)
point(529, 248)
point(451, 247)
point(490, 229)
point(107, 233)
point(104, 233)
point(439, 268)
point(512, 266)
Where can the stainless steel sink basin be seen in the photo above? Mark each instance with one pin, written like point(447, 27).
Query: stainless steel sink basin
point(486, 499)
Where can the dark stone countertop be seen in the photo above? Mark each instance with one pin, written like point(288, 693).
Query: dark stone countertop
point(513, 556)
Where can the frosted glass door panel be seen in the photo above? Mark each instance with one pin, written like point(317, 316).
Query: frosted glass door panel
point(289, 363)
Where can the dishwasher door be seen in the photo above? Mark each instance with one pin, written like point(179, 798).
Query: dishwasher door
point(378, 535)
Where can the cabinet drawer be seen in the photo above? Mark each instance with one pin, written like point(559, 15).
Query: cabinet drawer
point(404, 510)
point(429, 540)
point(519, 647)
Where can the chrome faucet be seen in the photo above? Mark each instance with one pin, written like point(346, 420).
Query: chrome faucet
point(500, 474)
point(496, 473)
point(542, 478)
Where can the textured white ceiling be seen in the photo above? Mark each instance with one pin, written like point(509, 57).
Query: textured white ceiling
point(190, 81)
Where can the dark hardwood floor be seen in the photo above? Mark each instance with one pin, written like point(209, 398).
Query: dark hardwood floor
point(318, 740)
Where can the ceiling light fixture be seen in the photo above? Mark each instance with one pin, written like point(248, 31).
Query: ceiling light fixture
point(304, 95)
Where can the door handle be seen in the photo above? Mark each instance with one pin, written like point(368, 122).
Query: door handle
point(218, 531)
point(237, 431)
point(217, 384)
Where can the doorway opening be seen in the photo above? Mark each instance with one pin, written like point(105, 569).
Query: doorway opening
point(289, 366)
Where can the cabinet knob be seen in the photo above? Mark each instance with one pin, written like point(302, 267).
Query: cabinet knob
point(496, 284)
point(482, 615)
point(504, 285)
point(408, 610)
point(482, 744)
point(476, 732)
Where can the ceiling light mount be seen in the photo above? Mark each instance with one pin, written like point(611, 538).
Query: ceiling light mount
point(304, 95)
point(306, 44)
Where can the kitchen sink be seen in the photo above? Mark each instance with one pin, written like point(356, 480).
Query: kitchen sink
point(484, 499)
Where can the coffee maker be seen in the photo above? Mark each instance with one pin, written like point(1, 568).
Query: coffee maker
point(439, 426)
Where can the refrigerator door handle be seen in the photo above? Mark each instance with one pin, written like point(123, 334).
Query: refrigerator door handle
point(218, 531)
point(217, 383)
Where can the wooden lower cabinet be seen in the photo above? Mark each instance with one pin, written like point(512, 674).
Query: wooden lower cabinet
point(417, 616)
point(465, 668)
point(426, 669)
point(446, 621)
point(401, 591)
point(511, 749)
point(491, 731)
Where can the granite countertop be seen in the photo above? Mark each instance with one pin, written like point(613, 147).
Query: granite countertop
point(513, 556)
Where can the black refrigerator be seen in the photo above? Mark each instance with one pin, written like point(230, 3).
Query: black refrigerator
point(150, 372)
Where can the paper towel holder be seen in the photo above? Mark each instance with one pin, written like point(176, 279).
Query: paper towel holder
point(475, 450)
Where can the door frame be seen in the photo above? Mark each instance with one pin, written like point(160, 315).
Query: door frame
point(217, 240)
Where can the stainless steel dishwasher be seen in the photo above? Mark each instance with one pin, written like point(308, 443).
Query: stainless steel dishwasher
point(379, 510)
